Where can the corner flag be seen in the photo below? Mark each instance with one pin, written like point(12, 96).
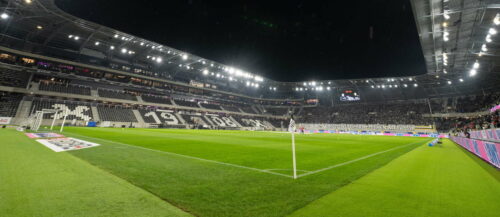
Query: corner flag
point(291, 129)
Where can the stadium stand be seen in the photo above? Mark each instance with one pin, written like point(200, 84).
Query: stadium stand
point(64, 88)
point(156, 99)
point(115, 113)
point(211, 106)
point(186, 103)
point(75, 110)
point(116, 94)
point(9, 103)
point(231, 108)
point(248, 109)
point(13, 78)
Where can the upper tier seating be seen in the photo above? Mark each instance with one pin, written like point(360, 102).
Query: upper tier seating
point(231, 108)
point(64, 88)
point(211, 106)
point(156, 99)
point(116, 94)
point(186, 103)
point(117, 114)
point(13, 78)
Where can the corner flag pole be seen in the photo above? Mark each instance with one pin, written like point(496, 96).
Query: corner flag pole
point(291, 128)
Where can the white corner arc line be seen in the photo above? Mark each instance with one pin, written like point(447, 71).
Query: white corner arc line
point(187, 156)
point(355, 160)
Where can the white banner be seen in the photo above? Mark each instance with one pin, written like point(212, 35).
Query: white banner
point(5, 120)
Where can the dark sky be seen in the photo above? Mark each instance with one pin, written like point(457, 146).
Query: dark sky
point(283, 40)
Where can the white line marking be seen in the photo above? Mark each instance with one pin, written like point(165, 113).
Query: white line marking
point(186, 156)
point(355, 160)
point(286, 170)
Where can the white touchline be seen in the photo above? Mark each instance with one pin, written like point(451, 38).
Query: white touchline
point(352, 161)
point(187, 156)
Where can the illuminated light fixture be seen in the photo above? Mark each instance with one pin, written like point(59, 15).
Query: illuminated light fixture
point(445, 72)
point(488, 38)
point(496, 20)
point(70, 36)
point(373, 86)
point(388, 80)
point(405, 85)
point(124, 50)
point(123, 38)
point(112, 47)
point(437, 76)
point(313, 83)
point(480, 54)
point(142, 43)
point(185, 57)
point(410, 79)
point(328, 88)
point(461, 80)
point(492, 31)
point(449, 82)
point(159, 60)
point(248, 83)
point(367, 81)
point(205, 72)
point(390, 85)
point(445, 24)
point(446, 15)
point(4, 16)
point(396, 86)
point(130, 52)
point(484, 48)
point(116, 35)
point(445, 36)
point(212, 65)
point(77, 38)
point(329, 82)
point(153, 47)
point(256, 85)
point(476, 65)
point(39, 27)
point(472, 72)
point(393, 79)
point(28, 1)
point(415, 85)
point(383, 86)
point(97, 43)
point(305, 84)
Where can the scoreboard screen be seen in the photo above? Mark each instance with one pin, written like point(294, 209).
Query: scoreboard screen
point(349, 95)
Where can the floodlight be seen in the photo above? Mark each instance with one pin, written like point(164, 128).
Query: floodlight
point(4, 16)
point(492, 31)
point(112, 47)
point(476, 65)
point(185, 57)
point(472, 72)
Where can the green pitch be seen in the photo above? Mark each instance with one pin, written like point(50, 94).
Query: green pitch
point(156, 172)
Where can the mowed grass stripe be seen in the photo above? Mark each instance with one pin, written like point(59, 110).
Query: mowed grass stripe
point(208, 190)
point(429, 181)
point(249, 149)
point(35, 181)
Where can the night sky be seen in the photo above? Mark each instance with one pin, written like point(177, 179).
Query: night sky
point(283, 40)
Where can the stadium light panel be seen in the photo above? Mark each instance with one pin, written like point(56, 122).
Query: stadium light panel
point(77, 38)
point(184, 57)
point(328, 88)
point(4, 16)
point(476, 65)
point(124, 50)
point(396, 86)
point(405, 85)
point(484, 48)
point(410, 79)
point(142, 43)
point(28, 1)
point(111, 47)
point(205, 72)
point(449, 82)
point(97, 43)
point(446, 16)
point(472, 72)
point(461, 80)
point(373, 86)
point(313, 83)
point(159, 59)
point(415, 85)
point(492, 31)
point(496, 20)
point(39, 27)
point(383, 86)
point(488, 38)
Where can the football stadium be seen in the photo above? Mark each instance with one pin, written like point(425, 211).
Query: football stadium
point(248, 108)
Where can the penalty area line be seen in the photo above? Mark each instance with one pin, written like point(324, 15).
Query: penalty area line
point(185, 156)
point(355, 160)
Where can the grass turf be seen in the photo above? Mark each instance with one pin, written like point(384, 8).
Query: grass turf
point(210, 189)
point(429, 181)
point(35, 181)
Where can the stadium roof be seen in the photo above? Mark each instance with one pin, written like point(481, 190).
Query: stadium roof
point(41, 27)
